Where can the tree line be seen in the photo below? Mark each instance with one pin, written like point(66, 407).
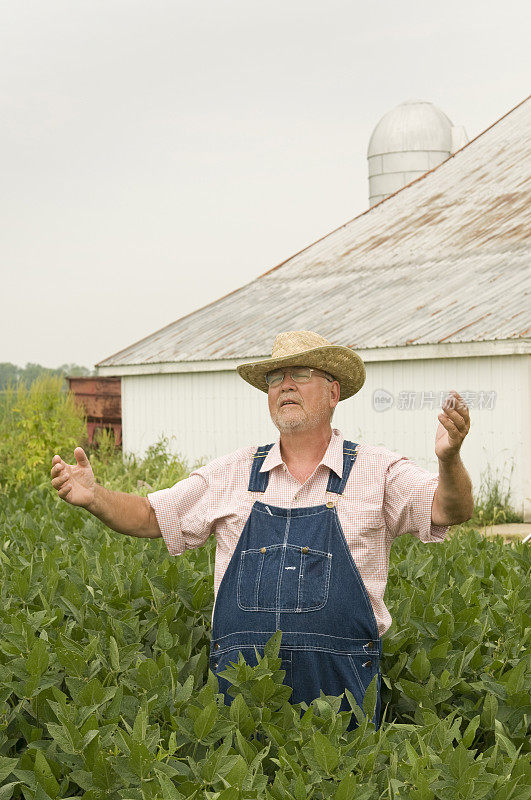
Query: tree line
point(13, 374)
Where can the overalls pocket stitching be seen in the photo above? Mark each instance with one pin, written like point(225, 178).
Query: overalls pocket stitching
point(356, 673)
point(322, 510)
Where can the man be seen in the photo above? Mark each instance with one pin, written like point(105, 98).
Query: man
point(303, 527)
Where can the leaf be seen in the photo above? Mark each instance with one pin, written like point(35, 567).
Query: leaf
point(371, 697)
point(299, 790)
point(103, 774)
point(7, 765)
point(164, 637)
point(45, 776)
point(205, 721)
point(490, 709)
point(238, 771)
point(7, 790)
point(231, 793)
point(73, 663)
point(263, 689)
point(358, 713)
point(514, 678)
point(420, 666)
point(114, 654)
point(272, 646)
point(240, 714)
point(326, 754)
point(38, 659)
point(184, 692)
point(470, 732)
point(347, 788)
point(169, 790)
point(88, 737)
point(246, 748)
point(216, 761)
point(505, 743)
point(458, 761)
point(66, 736)
point(40, 794)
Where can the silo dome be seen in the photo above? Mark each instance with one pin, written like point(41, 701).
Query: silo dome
point(407, 142)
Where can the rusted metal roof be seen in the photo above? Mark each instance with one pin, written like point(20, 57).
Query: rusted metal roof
point(446, 259)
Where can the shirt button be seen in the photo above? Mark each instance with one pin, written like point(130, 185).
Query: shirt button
point(305, 549)
point(370, 645)
point(367, 664)
point(216, 646)
point(216, 665)
point(262, 549)
point(329, 504)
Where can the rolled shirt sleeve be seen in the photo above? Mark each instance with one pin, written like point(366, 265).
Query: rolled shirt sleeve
point(408, 498)
point(183, 512)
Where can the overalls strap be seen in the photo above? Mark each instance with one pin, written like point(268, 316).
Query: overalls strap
point(335, 483)
point(258, 480)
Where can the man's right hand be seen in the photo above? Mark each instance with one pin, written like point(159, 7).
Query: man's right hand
point(75, 483)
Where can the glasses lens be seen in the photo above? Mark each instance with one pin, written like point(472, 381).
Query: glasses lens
point(274, 378)
point(301, 374)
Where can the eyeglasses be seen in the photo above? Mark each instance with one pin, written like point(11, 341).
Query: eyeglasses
point(298, 374)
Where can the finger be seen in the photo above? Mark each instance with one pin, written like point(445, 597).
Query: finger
point(64, 490)
point(60, 481)
point(452, 429)
point(457, 407)
point(448, 424)
point(57, 470)
point(56, 460)
point(455, 400)
point(81, 457)
point(457, 418)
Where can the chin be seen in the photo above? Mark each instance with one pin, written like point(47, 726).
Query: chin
point(293, 424)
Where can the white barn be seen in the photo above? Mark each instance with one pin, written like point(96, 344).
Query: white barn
point(430, 286)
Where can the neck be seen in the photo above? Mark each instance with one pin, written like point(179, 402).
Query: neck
point(305, 447)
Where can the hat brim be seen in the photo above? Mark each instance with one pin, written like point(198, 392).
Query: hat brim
point(341, 362)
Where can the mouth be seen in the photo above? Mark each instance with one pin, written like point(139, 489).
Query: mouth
point(289, 403)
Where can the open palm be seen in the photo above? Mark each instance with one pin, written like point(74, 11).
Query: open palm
point(75, 483)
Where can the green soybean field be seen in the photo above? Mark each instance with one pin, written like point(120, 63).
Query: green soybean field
point(105, 689)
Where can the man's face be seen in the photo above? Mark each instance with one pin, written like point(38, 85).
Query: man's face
point(302, 406)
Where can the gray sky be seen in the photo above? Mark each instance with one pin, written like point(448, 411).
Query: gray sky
point(157, 155)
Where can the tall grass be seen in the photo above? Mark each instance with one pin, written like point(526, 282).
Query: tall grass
point(492, 503)
point(157, 469)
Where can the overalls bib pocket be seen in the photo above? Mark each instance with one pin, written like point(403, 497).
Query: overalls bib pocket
point(283, 578)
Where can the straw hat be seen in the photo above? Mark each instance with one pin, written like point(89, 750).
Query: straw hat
point(308, 349)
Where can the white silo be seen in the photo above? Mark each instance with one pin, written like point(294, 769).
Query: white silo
point(407, 142)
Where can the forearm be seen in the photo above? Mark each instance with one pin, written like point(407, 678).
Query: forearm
point(125, 513)
point(453, 502)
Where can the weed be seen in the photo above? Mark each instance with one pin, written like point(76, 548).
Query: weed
point(492, 503)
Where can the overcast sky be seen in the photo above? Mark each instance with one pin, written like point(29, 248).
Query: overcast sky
point(157, 155)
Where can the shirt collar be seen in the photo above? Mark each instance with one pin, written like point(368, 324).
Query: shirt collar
point(333, 457)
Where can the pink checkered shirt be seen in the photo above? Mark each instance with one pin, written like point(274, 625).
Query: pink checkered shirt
point(386, 496)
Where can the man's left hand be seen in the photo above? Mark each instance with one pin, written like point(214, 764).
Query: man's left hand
point(454, 424)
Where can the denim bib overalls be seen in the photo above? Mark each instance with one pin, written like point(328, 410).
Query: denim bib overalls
point(293, 571)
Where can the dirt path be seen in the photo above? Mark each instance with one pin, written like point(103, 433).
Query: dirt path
point(511, 532)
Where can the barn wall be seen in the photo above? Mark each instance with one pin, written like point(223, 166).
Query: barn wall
point(209, 414)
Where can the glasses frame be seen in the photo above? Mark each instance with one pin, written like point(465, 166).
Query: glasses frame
point(319, 372)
